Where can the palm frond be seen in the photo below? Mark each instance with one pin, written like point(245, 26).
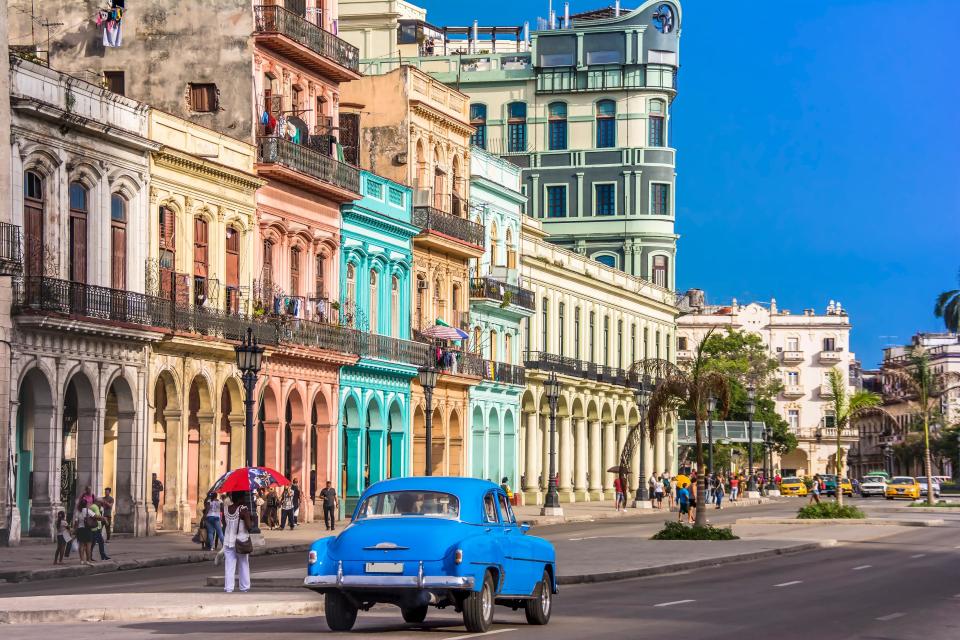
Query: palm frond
point(667, 396)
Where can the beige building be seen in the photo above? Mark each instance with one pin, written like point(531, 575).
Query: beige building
point(591, 323)
point(807, 345)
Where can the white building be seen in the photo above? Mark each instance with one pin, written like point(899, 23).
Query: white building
point(807, 345)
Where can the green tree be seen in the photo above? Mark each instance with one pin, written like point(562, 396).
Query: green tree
point(847, 406)
point(948, 308)
point(915, 382)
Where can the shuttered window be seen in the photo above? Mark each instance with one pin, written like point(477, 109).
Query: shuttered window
point(203, 97)
point(294, 271)
point(79, 197)
point(118, 241)
point(33, 206)
point(200, 260)
point(233, 269)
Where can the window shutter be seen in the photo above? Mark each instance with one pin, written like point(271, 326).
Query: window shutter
point(33, 239)
point(78, 265)
point(200, 248)
point(119, 272)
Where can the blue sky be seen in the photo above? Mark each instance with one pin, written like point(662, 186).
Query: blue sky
point(818, 153)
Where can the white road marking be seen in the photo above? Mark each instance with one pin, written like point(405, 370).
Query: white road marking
point(863, 566)
point(919, 555)
point(892, 616)
point(787, 584)
point(670, 604)
point(477, 635)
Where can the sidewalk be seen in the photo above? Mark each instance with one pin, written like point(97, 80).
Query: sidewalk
point(35, 561)
point(592, 511)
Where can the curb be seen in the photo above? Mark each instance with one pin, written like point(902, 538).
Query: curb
point(609, 576)
point(186, 612)
point(678, 567)
point(27, 575)
point(933, 522)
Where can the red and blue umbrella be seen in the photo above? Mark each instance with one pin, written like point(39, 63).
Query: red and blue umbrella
point(248, 479)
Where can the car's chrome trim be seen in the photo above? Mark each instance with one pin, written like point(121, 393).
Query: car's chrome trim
point(419, 581)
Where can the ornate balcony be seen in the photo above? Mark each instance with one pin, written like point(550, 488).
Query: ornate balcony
point(543, 361)
point(440, 228)
point(305, 43)
point(11, 255)
point(503, 372)
point(792, 390)
point(396, 350)
point(792, 355)
point(831, 357)
point(826, 391)
point(502, 292)
point(282, 160)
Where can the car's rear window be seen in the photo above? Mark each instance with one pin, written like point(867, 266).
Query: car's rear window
point(410, 503)
point(902, 481)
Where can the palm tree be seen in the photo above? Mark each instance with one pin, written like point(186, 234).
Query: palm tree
point(948, 308)
point(912, 380)
point(846, 406)
point(690, 387)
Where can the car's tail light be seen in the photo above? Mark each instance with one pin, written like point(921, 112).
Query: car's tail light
point(458, 556)
point(312, 557)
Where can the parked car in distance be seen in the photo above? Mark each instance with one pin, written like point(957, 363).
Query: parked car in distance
point(873, 486)
point(793, 487)
point(903, 487)
point(923, 487)
point(433, 541)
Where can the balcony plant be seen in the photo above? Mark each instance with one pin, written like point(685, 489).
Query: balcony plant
point(507, 299)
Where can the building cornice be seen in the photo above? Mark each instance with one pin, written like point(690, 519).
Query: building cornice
point(190, 164)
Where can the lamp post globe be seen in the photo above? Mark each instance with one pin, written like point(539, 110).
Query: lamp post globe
point(428, 380)
point(551, 503)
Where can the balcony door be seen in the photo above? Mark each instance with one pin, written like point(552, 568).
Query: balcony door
point(33, 209)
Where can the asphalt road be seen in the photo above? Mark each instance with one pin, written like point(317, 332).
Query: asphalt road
point(903, 587)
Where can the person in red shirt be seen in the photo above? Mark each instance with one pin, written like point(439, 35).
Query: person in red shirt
point(734, 488)
point(618, 490)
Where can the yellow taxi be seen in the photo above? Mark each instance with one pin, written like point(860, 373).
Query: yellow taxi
point(846, 486)
point(903, 487)
point(793, 487)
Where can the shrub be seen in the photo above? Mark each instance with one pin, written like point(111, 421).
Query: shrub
point(680, 531)
point(829, 510)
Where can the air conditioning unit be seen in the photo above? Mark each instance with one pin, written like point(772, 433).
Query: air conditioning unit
point(423, 284)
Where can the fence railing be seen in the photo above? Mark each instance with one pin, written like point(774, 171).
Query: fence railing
point(277, 150)
point(274, 19)
point(433, 219)
point(503, 372)
point(543, 361)
point(396, 350)
point(494, 289)
point(11, 252)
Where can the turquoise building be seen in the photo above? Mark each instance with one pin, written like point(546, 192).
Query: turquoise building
point(498, 306)
point(376, 257)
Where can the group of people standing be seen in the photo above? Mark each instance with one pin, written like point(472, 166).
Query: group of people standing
point(92, 520)
point(280, 508)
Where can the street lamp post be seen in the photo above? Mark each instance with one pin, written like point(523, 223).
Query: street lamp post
point(428, 380)
point(711, 407)
point(751, 407)
point(642, 393)
point(249, 361)
point(768, 443)
point(551, 503)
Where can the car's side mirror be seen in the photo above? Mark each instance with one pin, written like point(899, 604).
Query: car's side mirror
point(524, 526)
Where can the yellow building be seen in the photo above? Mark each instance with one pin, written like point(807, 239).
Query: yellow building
point(200, 266)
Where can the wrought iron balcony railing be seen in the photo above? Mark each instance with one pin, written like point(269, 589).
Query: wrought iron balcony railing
point(276, 150)
point(493, 289)
point(11, 253)
point(503, 372)
point(543, 361)
point(396, 350)
point(432, 219)
point(274, 19)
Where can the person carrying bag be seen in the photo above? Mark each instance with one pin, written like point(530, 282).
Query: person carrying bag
point(237, 543)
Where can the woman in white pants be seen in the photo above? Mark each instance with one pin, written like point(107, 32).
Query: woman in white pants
point(239, 524)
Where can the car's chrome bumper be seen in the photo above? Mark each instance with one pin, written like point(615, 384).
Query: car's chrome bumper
point(419, 581)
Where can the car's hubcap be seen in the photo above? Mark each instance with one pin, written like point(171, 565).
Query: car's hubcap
point(545, 597)
point(486, 604)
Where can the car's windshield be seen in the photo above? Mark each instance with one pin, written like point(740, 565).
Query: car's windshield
point(902, 481)
point(790, 481)
point(410, 503)
point(873, 480)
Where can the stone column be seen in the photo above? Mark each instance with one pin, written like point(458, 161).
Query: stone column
point(670, 448)
point(174, 485)
point(648, 457)
point(299, 470)
point(238, 439)
point(90, 451)
point(207, 456)
point(271, 444)
point(46, 471)
point(660, 453)
point(129, 512)
point(545, 449)
point(597, 470)
point(531, 465)
point(580, 460)
point(609, 459)
point(565, 457)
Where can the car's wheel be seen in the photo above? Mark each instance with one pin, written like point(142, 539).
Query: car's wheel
point(539, 607)
point(416, 615)
point(478, 607)
point(340, 612)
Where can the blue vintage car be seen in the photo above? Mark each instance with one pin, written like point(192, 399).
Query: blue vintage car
point(431, 541)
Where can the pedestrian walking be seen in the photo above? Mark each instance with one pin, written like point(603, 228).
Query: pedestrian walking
point(84, 522)
point(237, 545)
point(658, 492)
point(652, 489)
point(107, 503)
point(667, 489)
point(618, 498)
point(156, 488)
point(97, 508)
point(734, 488)
point(64, 538)
point(286, 509)
point(684, 499)
point(330, 503)
point(273, 506)
point(815, 490)
point(295, 494)
point(718, 491)
point(213, 519)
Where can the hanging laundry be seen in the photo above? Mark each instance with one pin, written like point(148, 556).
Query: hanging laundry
point(112, 34)
point(277, 304)
point(265, 118)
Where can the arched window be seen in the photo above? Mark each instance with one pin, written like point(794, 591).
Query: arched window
point(476, 339)
point(606, 124)
point(517, 127)
point(395, 307)
point(233, 270)
point(478, 118)
point(320, 285)
point(455, 305)
point(79, 201)
point(421, 301)
point(351, 289)
point(606, 341)
point(33, 211)
point(494, 244)
point(508, 348)
point(294, 271)
point(374, 303)
point(607, 259)
point(576, 333)
point(561, 329)
point(660, 268)
point(557, 127)
point(118, 241)
point(656, 121)
point(494, 356)
point(201, 261)
point(511, 250)
point(267, 275)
